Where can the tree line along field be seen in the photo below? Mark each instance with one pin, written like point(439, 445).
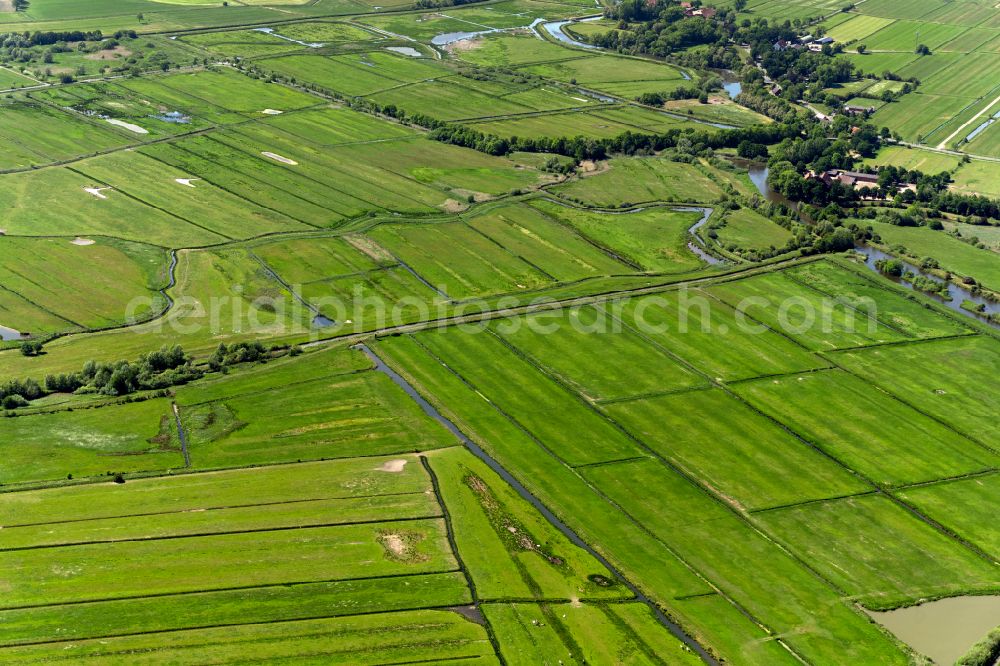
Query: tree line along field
point(580, 439)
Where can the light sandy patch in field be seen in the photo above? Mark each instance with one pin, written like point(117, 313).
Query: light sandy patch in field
point(82, 241)
point(464, 45)
point(395, 544)
point(369, 247)
point(272, 112)
point(592, 168)
point(6, 5)
point(279, 158)
point(186, 181)
point(393, 466)
point(97, 191)
point(452, 206)
point(129, 126)
point(116, 53)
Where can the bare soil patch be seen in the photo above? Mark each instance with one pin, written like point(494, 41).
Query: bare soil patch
point(394, 466)
point(116, 53)
point(452, 206)
point(370, 247)
point(464, 45)
point(401, 545)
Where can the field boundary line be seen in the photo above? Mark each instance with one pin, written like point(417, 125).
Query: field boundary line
point(169, 472)
point(667, 622)
point(453, 544)
point(607, 463)
point(181, 435)
point(707, 386)
point(229, 507)
point(301, 382)
point(900, 343)
point(597, 491)
point(236, 588)
point(202, 535)
point(223, 625)
point(946, 480)
point(820, 500)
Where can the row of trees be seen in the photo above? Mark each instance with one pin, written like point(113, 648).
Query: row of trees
point(627, 143)
point(169, 366)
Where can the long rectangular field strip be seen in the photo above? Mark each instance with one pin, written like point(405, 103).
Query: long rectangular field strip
point(223, 549)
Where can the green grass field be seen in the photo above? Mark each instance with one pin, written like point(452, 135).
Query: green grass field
point(654, 239)
point(901, 558)
point(951, 253)
point(714, 338)
point(126, 438)
point(960, 506)
point(815, 319)
point(104, 277)
point(889, 442)
point(925, 161)
point(749, 230)
point(935, 364)
point(638, 180)
point(977, 178)
point(591, 351)
point(503, 409)
point(785, 470)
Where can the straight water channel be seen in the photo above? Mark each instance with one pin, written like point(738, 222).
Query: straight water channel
point(429, 409)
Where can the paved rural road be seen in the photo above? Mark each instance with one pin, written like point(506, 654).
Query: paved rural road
point(971, 120)
point(946, 151)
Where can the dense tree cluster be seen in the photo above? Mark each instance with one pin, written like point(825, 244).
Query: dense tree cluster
point(839, 145)
point(661, 29)
point(239, 352)
point(39, 50)
point(169, 366)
